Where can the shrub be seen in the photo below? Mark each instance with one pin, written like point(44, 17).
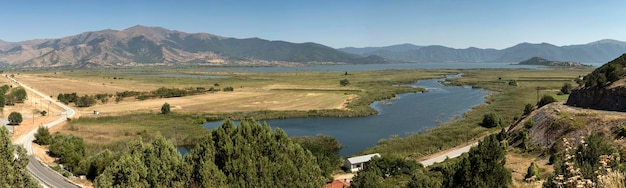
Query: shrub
point(528, 108)
point(533, 170)
point(43, 137)
point(567, 88)
point(546, 99)
point(492, 120)
point(165, 109)
point(529, 124)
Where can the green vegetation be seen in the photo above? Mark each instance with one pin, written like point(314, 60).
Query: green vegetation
point(165, 108)
point(43, 137)
point(533, 171)
point(85, 101)
point(491, 120)
point(567, 88)
point(528, 108)
point(326, 151)
point(247, 155)
point(379, 169)
point(16, 95)
point(546, 99)
point(70, 150)
point(13, 168)
point(344, 82)
point(15, 118)
point(607, 73)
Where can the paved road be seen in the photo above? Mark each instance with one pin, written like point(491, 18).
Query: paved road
point(43, 174)
point(449, 154)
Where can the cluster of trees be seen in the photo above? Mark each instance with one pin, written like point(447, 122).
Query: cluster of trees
point(247, 155)
point(10, 96)
point(13, 162)
point(167, 93)
point(326, 152)
point(70, 150)
point(381, 168)
point(83, 101)
point(607, 73)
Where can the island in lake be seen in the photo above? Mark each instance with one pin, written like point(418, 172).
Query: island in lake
point(545, 62)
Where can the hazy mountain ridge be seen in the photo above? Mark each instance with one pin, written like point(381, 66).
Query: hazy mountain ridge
point(591, 53)
point(140, 45)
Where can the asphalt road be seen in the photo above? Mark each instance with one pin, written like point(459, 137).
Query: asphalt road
point(43, 174)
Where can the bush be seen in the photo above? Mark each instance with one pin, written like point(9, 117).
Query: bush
point(546, 99)
point(567, 88)
point(528, 108)
point(533, 170)
point(15, 118)
point(165, 109)
point(529, 124)
point(492, 120)
point(43, 137)
point(344, 82)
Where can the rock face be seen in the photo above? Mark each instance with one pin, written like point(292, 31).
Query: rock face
point(604, 89)
point(613, 99)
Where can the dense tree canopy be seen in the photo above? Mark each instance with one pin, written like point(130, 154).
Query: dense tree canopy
point(13, 169)
point(326, 151)
point(247, 155)
point(15, 118)
point(70, 150)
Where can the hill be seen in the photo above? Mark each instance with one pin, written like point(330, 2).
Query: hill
point(140, 45)
point(545, 62)
point(590, 53)
point(603, 89)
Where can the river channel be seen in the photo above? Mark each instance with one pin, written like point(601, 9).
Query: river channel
point(408, 113)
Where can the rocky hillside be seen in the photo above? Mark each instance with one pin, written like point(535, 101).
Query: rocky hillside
point(140, 45)
point(603, 89)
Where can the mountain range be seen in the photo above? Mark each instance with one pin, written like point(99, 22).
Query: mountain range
point(140, 45)
point(591, 53)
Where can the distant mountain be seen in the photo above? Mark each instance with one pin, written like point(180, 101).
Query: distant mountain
point(545, 62)
point(591, 53)
point(140, 45)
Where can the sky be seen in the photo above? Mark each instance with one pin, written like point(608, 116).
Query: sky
point(336, 23)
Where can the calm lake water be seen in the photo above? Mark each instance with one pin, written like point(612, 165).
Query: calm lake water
point(409, 113)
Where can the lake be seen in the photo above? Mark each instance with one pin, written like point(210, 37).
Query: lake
point(407, 114)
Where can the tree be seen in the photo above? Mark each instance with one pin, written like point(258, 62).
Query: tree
point(367, 179)
point(15, 118)
point(18, 94)
point(528, 108)
point(70, 150)
point(546, 99)
point(533, 170)
point(567, 88)
point(43, 137)
point(43, 113)
point(85, 101)
point(12, 168)
point(252, 155)
point(491, 120)
point(344, 82)
point(326, 151)
point(165, 108)
point(482, 167)
point(2, 100)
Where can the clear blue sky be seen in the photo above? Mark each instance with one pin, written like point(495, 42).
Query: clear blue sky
point(336, 23)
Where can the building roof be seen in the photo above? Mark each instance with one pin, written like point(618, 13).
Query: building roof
point(362, 158)
point(337, 184)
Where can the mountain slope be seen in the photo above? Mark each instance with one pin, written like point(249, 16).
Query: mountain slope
point(591, 53)
point(140, 45)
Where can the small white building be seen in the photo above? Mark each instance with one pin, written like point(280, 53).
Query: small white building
point(358, 163)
